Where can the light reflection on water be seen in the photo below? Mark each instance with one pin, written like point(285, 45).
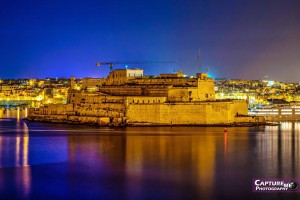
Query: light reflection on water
point(17, 113)
point(63, 161)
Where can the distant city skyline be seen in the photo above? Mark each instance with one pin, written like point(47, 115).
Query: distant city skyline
point(237, 39)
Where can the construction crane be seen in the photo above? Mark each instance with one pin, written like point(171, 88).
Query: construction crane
point(111, 64)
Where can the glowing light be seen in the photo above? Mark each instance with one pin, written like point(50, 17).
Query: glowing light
point(26, 170)
point(210, 75)
point(18, 114)
point(18, 151)
point(39, 98)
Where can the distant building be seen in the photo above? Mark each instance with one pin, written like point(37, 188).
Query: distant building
point(122, 76)
point(175, 75)
point(91, 82)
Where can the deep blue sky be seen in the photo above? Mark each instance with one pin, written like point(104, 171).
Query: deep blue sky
point(246, 39)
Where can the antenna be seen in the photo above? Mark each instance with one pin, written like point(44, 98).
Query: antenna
point(199, 63)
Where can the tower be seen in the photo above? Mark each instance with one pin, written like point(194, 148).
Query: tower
point(72, 87)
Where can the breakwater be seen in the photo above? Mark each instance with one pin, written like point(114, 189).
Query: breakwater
point(119, 122)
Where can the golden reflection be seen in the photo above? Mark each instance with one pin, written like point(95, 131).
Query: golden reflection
point(21, 156)
point(169, 154)
point(18, 114)
point(7, 113)
point(22, 143)
point(26, 178)
point(26, 173)
point(25, 145)
point(206, 161)
point(225, 143)
point(175, 158)
point(286, 126)
point(99, 144)
point(282, 145)
point(18, 141)
point(26, 112)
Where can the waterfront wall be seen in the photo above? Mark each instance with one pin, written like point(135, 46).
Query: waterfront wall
point(249, 119)
point(55, 118)
point(138, 110)
point(185, 113)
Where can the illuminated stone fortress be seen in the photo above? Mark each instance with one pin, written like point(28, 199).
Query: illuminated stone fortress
point(127, 97)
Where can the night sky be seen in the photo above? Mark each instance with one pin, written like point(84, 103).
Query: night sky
point(246, 39)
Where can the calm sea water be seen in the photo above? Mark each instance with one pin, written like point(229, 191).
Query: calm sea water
point(50, 161)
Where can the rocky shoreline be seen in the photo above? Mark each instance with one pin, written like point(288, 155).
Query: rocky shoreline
point(118, 124)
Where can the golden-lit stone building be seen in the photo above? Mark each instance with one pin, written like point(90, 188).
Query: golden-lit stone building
point(122, 76)
point(127, 97)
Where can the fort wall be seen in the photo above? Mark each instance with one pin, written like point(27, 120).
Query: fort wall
point(185, 113)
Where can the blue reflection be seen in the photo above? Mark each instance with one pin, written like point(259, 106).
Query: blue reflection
point(18, 148)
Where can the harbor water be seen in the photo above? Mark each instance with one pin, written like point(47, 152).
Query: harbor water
point(55, 161)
